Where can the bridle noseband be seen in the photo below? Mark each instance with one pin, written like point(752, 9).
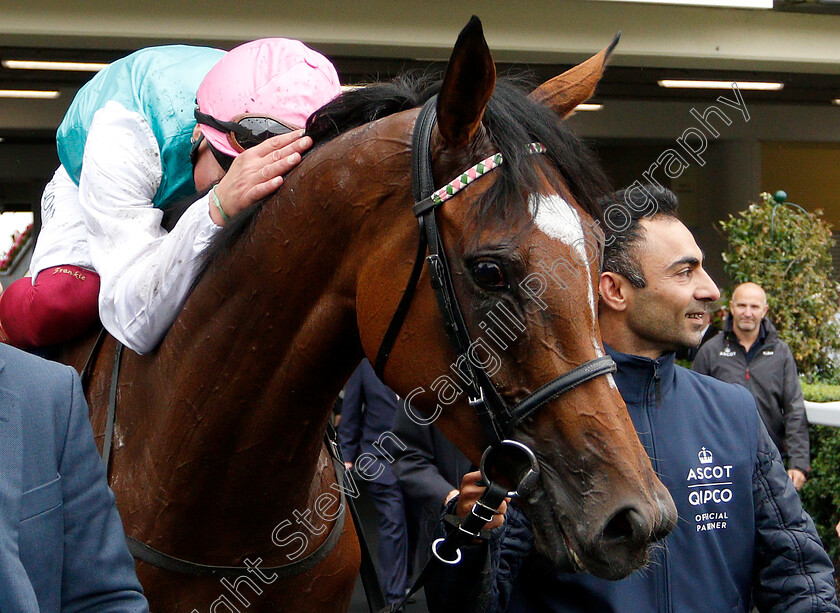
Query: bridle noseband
point(497, 418)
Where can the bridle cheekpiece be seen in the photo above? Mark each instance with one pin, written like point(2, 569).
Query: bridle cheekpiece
point(497, 418)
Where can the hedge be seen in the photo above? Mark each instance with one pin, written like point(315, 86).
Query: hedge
point(821, 492)
point(821, 392)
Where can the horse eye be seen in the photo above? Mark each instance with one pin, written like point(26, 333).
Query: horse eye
point(489, 275)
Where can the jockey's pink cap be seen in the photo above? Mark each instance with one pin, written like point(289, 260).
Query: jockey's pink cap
point(274, 77)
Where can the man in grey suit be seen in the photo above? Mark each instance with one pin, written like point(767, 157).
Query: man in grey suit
point(62, 546)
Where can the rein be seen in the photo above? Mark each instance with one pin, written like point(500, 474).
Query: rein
point(159, 559)
point(497, 418)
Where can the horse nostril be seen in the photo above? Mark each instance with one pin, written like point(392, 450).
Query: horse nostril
point(626, 524)
point(667, 520)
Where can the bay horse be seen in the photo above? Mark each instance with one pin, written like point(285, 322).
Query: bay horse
point(218, 454)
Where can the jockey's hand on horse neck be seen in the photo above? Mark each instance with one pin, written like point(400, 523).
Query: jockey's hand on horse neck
point(258, 172)
point(469, 495)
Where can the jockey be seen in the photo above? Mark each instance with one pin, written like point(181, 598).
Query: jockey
point(126, 146)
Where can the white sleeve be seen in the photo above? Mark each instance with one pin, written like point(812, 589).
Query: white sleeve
point(145, 272)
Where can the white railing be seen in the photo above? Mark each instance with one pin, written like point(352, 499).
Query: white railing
point(823, 413)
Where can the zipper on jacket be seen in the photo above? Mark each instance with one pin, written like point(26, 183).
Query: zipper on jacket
point(657, 384)
point(649, 412)
point(657, 391)
point(740, 348)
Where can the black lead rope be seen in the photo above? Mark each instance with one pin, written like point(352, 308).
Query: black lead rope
point(446, 551)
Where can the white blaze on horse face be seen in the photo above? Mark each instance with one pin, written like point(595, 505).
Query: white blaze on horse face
point(559, 220)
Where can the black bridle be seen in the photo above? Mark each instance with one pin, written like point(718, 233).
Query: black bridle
point(497, 418)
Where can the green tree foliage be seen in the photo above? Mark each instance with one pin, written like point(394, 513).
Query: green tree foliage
point(821, 493)
point(786, 250)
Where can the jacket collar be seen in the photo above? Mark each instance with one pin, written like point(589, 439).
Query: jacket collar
point(636, 375)
point(766, 332)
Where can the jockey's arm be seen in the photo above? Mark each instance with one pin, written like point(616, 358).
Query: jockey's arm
point(146, 273)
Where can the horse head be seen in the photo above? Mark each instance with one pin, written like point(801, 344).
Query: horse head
point(522, 248)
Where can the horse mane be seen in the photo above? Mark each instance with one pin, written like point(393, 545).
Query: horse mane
point(511, 120)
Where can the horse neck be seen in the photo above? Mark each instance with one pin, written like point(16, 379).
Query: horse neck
point(270, 331)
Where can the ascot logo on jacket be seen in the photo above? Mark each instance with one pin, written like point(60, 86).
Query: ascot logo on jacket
point(727, 352)
point(708, 484)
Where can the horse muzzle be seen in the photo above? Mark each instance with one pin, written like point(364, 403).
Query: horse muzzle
point(610, 543)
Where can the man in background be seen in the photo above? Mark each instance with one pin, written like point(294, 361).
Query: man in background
point(429, 471)
point(367, 413)
point(750, 353)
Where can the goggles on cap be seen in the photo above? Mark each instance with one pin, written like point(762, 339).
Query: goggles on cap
point(224, 160)
point(245, 131)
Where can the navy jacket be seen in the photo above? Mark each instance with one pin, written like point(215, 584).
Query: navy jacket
point(62, 547)
point(427, 469)
point(366, 414)
point(741, 525)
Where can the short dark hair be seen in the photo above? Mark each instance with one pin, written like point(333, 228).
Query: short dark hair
point(632, 204)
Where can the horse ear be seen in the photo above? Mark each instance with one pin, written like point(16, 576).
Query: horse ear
point(467, 86)
point(564, 92)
